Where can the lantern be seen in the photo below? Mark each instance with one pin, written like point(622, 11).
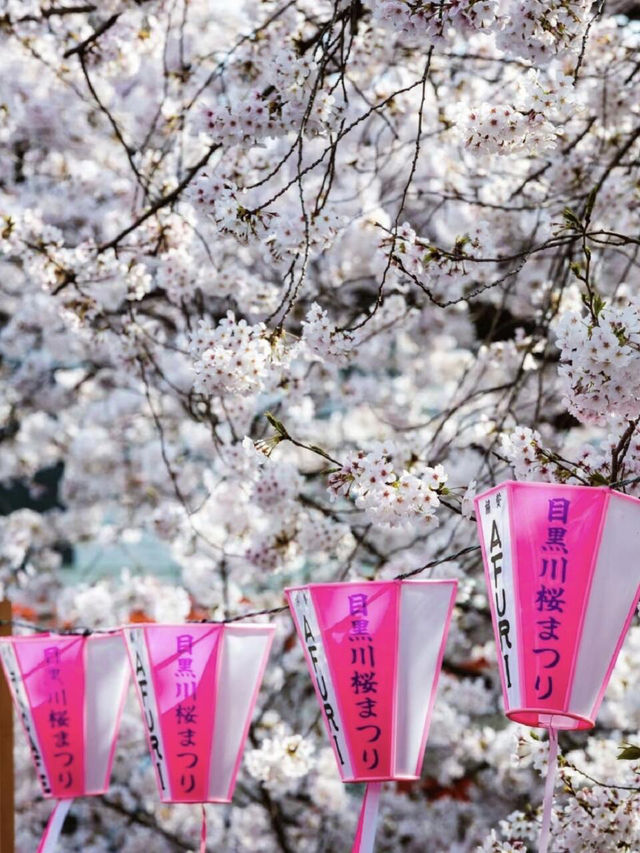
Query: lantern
point(563, 573)
point(197, 685)
point(69, 692)
point(374, 652)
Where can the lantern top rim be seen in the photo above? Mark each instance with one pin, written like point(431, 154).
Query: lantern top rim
point(564, 486)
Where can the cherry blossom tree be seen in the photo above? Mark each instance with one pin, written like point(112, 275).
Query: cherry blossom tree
point(282, 284)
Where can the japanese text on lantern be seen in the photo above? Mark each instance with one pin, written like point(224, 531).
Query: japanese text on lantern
point(553, 567)
point(186, 712)
point(503, 601)
point(315, 650)
point(364, 680)
point(58, 718)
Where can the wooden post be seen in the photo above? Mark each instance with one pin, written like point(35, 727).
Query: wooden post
point(7, 829)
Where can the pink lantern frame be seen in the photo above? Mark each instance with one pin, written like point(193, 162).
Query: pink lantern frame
point(580, 556)
point(158, 701)
point(91, 700)
point(325, 628)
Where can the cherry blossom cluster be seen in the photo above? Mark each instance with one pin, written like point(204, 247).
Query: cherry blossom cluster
point(280, 760)
point(251, 118)
point(433, 20)
point(579, 822)
point(271, 112)
point(502, 129)
point(231, 357)
point(537, 31)
point(218, 199)
point(387, 496)
point(549, 93)
point(600, 358)
point(540, 30)
point(322, 339)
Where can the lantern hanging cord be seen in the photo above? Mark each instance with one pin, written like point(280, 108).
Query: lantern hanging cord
point(86, 632)
point(552, 764)
point(632, 481)
point(203, 831)
point(49, 840)
point(364, 841)
point(438, 562)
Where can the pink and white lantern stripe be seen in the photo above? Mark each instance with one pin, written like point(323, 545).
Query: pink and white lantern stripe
point(562, 567)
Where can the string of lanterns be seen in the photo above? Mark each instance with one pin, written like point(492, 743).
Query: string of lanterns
point(563, 577)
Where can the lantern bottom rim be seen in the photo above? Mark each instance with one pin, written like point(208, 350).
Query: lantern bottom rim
point(550, 718)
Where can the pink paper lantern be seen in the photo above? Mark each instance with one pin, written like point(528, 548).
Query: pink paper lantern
point(374, 651)
point(197, 685)
point(69, 692)
point(562, 566)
